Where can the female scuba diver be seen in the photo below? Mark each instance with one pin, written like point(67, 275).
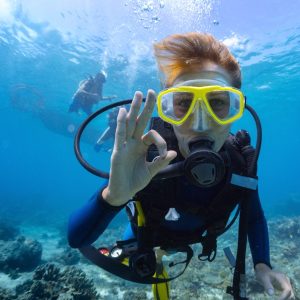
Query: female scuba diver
point(210, 174)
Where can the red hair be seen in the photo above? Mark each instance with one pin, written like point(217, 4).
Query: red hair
point(178, 54)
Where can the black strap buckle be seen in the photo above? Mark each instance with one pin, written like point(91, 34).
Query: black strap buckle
point(209, 250)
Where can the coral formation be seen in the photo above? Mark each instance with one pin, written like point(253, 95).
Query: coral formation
point(21, 254)
point(6, 294)
point(69, 257)
point(49, 282)
point(202, 280)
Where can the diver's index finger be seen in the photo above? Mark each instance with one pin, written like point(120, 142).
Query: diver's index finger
point(145, 114)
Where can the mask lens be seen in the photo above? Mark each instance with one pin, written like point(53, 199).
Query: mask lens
point(225, 104)
point(175, 105)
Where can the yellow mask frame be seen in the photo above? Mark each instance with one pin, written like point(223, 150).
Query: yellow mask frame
point(200, 94)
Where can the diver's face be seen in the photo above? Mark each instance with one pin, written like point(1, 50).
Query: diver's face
point(199, 123)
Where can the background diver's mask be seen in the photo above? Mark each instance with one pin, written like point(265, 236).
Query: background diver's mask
point(202, 103)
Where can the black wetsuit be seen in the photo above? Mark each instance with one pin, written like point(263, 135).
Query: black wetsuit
point(89, 222)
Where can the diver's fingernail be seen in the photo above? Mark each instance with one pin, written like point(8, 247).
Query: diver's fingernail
point(138, 94)
point(155, 158)
point(151, 95)
point(271, 292)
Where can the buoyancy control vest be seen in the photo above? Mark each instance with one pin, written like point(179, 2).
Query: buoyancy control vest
point(161, 195)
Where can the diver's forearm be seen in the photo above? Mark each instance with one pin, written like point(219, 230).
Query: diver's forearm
point(258, 234)
point(262, 267)
point(89, 222)
point(259, 243)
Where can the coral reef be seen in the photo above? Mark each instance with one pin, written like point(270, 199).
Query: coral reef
point(49, 282)
point(20, 255)
point(202, 280)
point(6, 294)
point(69, 257)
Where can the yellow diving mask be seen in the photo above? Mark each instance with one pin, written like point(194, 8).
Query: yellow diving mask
point(223, 104)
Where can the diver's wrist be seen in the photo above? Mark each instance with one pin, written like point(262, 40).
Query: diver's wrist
point(107, 197)
point(262, 267)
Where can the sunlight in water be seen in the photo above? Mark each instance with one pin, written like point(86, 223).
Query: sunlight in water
point(6, 9)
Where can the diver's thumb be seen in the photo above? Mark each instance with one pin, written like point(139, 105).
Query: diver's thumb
point(265, 281)
point(159, 162)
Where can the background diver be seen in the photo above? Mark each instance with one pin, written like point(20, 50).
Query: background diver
point(89, 93)
point(201, 101)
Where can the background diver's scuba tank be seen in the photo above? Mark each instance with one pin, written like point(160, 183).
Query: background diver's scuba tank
point(204, 168)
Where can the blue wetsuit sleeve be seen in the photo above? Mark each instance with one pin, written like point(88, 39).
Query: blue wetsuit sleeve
point(258, 232)
point(88, 222)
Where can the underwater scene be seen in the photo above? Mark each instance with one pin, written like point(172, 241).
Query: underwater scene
point(67, 68)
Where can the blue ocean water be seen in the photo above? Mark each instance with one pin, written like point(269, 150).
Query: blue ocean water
point(48, 47)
